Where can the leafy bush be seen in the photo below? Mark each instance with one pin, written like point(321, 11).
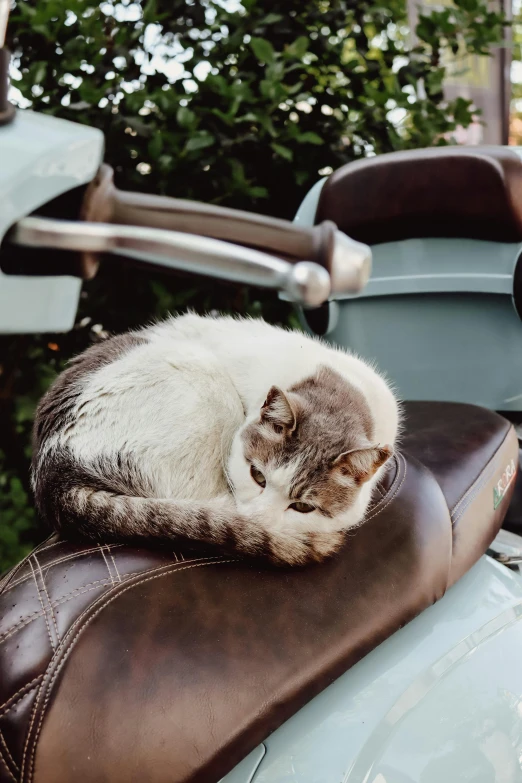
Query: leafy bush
point(238, 104)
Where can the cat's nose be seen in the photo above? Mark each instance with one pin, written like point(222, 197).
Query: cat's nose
point(271, 501)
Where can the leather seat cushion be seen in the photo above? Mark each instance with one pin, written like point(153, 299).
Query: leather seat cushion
point(120, 663)
point(473, 192)
point(473, 454)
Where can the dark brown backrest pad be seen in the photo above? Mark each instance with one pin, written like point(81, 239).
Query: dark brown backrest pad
point(175, 676)
point(440, 192)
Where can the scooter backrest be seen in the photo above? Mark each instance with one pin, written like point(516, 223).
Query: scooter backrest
point(441, 192)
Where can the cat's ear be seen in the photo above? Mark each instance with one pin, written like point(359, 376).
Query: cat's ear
point(277, 410)
point(362, 464)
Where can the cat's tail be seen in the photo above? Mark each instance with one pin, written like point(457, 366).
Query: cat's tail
point(104, 516)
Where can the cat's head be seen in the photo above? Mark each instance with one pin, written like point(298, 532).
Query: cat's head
point(308, 456)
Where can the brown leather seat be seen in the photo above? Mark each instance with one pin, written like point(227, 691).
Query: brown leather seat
point(121, 664)
point(473, 192)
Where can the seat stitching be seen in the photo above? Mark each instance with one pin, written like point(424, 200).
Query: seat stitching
point(4, 762)
point(106, 563)
point(7, 578)
point(48, 599)
point(26, 620)
point(115, 566)
point(377, 507)
point(50, 546)
point(61, 600)
point(71, 556)
point(12, 700)
point(7, 751)
point(47, 567)
point(43, 607)
point(379, 491)
point(80, 591)
point(486, 472)
point(69, 641)
point(470, 489)
point(482, 478)
point(380, 508)
point(477, 486)
point(393, 486)
point(400, 479)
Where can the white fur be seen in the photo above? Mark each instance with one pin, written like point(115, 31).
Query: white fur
point(157, 403)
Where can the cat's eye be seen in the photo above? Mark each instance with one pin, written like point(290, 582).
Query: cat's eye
point(258, 476)
point(303, 508)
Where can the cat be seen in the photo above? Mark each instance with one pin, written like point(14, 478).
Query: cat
point(223, 431)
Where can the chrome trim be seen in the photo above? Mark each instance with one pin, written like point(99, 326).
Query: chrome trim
point(506, 548)
point(305, 283)
point(351, 265)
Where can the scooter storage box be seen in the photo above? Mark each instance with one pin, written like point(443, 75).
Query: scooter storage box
point(439, 314)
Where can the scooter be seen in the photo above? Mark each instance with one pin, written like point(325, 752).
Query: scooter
point(396, 662)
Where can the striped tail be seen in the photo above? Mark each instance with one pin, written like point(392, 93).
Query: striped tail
point(103, 515)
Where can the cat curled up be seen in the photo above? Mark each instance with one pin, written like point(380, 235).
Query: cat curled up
point(223, 431)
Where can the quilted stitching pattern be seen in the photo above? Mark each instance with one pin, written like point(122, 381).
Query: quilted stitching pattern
point(40, 599)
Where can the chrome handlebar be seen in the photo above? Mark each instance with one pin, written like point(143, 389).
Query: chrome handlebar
point(305, 283)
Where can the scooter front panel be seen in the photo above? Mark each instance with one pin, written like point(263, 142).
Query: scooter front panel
point(42, 157)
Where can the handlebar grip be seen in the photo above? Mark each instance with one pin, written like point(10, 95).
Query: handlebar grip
point(348, 262)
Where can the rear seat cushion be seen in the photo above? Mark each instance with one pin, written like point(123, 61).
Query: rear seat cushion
point(473, 454)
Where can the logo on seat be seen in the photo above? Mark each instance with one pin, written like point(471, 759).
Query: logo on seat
point(500, 488)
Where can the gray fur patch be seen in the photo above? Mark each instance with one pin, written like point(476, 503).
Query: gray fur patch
point(55, 412)
point(332, 417)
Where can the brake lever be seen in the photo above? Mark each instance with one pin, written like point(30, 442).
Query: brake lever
point(304, 282)
point(347, 261)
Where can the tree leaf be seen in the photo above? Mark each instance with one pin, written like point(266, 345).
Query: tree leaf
point(258, 192)
point(40, 73)
point(309, 137)
point(272, 19)
point(199, 141)
point(263, 50)
point(155, 145)
point(298, 48)
point(282, 151)
point(185, 117)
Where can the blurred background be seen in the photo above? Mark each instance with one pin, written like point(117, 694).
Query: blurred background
point(244, 104)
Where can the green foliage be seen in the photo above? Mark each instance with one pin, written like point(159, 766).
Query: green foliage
point(244, 105)
point(516, 86)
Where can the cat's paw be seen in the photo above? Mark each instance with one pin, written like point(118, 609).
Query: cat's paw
point(296, 548)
